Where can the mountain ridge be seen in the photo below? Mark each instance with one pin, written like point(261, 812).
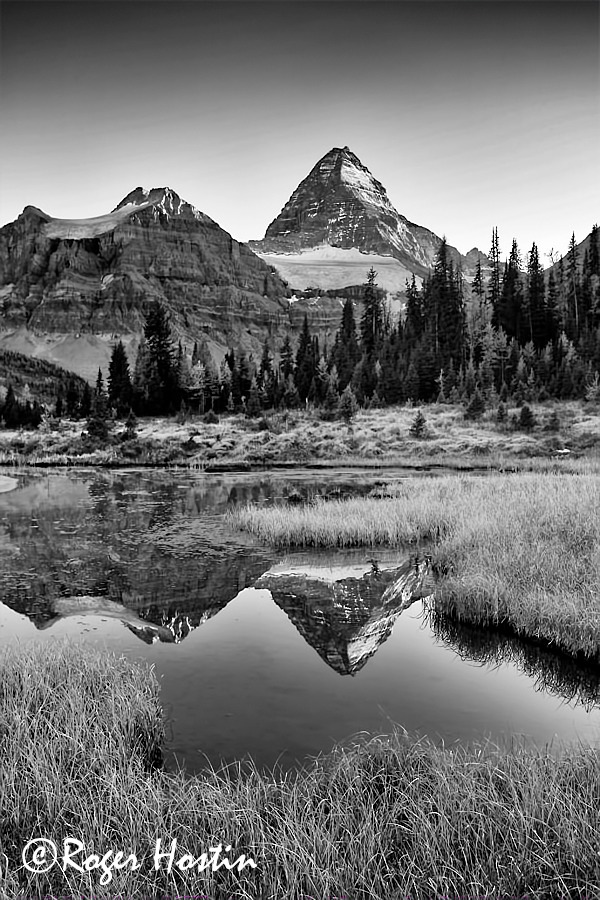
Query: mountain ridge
point(91, 281)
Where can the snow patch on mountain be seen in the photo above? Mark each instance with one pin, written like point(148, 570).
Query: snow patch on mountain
point(330, 268)
point(76, 229)
point(363, 185)
point(162, 201)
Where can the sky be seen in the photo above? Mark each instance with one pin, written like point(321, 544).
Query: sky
point(473, 114)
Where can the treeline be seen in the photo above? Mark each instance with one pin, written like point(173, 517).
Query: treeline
point(30, 387)
point(522, 337)
point(20, 414)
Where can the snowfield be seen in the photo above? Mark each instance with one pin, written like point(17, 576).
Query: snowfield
point(89, 228)
point(330, 268)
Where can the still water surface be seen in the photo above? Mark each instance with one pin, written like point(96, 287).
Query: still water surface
point(141, 562)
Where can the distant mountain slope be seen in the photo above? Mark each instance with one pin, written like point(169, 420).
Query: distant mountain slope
point(70, 288)
point(339, 220)
point(42, 378)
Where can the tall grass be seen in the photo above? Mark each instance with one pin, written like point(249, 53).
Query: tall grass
point(521, 550)
point(385, 818)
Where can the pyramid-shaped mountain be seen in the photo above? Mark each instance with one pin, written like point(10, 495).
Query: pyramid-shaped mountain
point(70, 287)
point(338, 222)
point(348, 619)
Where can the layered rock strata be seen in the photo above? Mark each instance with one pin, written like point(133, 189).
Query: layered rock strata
point(94, 279)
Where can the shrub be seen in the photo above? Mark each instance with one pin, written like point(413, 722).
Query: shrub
point(418, 429)
point(130, 432)
point(211, 418)
point(592, 393)
point(97, 428)
point(476, 407)
point(526, 418)
point(348, 405)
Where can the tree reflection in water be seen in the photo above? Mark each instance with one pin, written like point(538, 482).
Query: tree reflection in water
point(574, 680)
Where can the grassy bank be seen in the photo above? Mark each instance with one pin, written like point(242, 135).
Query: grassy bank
point(386, 818)
point(374, 437)
point(521, 549)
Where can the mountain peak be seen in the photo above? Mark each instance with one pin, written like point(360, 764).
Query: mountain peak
point(340, 211)
point(342, 205)
point(162, 200)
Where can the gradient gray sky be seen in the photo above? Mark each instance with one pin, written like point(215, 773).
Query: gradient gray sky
point(472, 114)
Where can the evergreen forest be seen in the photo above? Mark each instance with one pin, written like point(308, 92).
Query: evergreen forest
point(524, 336)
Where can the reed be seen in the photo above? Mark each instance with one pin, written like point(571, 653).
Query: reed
point(383, 817)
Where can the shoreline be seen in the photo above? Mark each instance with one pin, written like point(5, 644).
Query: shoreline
point(564, 434)
point(396, 815)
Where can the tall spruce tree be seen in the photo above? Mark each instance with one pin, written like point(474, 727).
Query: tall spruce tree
point(413, 326)
point(537, 329)
point(160, 376)
point(573, 288)
point(119, 380)
point(510, 308)
point(286, 359)
point(345, 352)
point(594, 252)
point(372, 321)
point(305, 362)
point(495, 281)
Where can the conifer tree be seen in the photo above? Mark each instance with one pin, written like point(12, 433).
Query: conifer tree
point(476, 407)
point(119, 380)
point(85, 404)
point(265, 369)
point(286, 364)
point(510, 306)
point(10, 411)
point(160, 375)
point(418, 428)
point(413, 328)
point(345, 352)
point(348, 405)
point(594, 252)
point(494, 283)
point(537, 316)
point(372, 320)
point(572, 325)
point(305, 362)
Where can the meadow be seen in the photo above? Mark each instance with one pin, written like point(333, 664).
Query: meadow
point(385, 817)
point(563, 434)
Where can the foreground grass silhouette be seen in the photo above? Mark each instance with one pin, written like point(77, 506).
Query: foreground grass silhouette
point(385, 818)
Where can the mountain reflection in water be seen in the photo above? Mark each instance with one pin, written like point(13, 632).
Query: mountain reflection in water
point(250, 645)
point(347, 619)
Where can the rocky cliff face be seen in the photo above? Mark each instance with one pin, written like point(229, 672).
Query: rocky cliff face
point(339, 213)
point(93, 280)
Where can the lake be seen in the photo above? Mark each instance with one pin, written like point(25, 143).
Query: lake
point(263, 654)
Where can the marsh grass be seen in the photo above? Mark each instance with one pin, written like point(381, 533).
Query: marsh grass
point(521, 550)
point(385, 817)
point(304, 437)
